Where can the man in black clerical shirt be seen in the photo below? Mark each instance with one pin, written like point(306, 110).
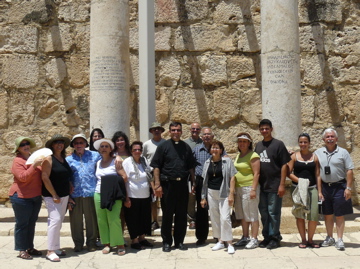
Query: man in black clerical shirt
point(173, 162)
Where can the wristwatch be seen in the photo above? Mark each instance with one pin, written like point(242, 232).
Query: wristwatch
point(348, 188)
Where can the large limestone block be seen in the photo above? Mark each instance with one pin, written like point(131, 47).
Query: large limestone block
point(346, 42)
point(82, 38)
point(204, 37)
point(21, 39)
point(226, 104)
point(74, 11)
point(78, 71)
point(213, 69)
point(55, 72)
point(239, 67)
point(235, 12)
point(162, 38)
point(59, 38)
point(19, 71)
point(313, 69)
point(162, 105)
point(188, 105)
point(170, 11)
point(329, 11)
point(169, 72)
point(5, 182)
point(21, 108)
point(48, 108)
point(307, 109)
point(4, 102)
point(312, 38)
point(31, 11)
point(249, 38)
point(250, 106)
point(342, 72)
point(329, 108)
point(134, 37)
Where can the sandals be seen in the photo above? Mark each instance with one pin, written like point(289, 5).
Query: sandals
point(24, 255)
point(121, 251)
point(137, 246)
point(313, 245)
point(34, 252)
point(106, 250)
point(303, 245)
point(53, 257)
point(60, 252)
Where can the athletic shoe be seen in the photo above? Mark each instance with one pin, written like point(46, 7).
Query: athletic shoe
point(329, 241)
point(340, 244)
point(218, 246)
point(154, 226)
point(254, 243)
point(242, 242)
point(231, 249)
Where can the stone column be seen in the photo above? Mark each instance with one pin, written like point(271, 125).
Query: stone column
point(147, 110)
point(281, 93)
point(109, 66)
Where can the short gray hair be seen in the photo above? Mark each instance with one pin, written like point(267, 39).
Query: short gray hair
point(203, 128)
point(329, 130)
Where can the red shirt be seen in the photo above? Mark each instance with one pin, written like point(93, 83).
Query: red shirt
point(27, 179)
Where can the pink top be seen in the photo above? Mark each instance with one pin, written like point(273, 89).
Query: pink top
point(27, 179)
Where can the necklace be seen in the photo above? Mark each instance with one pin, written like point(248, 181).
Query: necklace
point(214, 167)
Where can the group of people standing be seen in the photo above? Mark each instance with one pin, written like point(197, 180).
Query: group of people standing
point(193, 179)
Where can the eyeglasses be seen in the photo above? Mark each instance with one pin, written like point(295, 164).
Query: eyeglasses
point(27, 143)
point(104, 146)
point(59, 142)
point(207, 134)
point(195, 129)
point(156, 129)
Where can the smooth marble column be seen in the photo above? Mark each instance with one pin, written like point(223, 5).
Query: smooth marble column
point(109, 66)
point(280, 49)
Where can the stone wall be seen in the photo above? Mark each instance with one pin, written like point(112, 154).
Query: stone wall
point(208, 69)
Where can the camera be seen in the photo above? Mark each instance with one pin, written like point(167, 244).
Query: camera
point(327, 170)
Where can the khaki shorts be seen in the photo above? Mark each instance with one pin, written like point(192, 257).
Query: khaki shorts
point(246, 208)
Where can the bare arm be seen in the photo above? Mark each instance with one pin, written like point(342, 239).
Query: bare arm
point(284, 171)
point(291, 167)
point(318, 178)
point(158, 188)
point(255, 166)
point(349, 180)
point(45, 176)
point(232, 191)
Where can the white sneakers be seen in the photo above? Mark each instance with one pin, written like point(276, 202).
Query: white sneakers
point(254, 243)
point(219, 245)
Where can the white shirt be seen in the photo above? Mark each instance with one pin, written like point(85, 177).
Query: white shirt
point(136, 188)
point(100, 171)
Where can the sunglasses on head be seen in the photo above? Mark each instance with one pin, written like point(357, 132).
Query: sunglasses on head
point(27, 143)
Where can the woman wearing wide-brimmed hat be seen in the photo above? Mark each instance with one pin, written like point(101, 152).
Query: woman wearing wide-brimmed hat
point(56, 177)
point(25, 196)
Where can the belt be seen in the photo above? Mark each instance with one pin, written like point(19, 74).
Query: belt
point(335, 183)
point(166, 178)
point(174, 178)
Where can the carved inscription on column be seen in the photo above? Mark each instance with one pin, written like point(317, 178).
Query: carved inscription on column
point(107, 73)
point(280, 69)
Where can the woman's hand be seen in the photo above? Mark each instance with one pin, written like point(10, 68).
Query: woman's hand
point(252, 194)
point(56, 199)
point(231, 199)
point(127, 202)
point(118, 162)
point(203, 203)
point(38, 161)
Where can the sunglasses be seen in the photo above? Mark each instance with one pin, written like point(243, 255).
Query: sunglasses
point(27, 143)
point(59, 142)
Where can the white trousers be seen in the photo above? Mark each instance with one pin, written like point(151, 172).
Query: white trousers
point(56, 214)
point(220, 216)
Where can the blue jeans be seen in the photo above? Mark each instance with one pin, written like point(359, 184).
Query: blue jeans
point(26, 214)
point(270, 211)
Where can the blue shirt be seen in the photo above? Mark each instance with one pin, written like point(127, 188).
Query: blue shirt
point(201, 154)
point(84, 167)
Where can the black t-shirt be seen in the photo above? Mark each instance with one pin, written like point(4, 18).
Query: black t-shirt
point(60, 176)
point(273, 155)
point(174, 159)
point(215, 175)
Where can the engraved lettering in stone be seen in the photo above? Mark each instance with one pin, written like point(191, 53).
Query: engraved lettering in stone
point(107, 73)
point(279, 65)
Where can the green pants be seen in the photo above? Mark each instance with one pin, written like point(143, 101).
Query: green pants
point(109, 223)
